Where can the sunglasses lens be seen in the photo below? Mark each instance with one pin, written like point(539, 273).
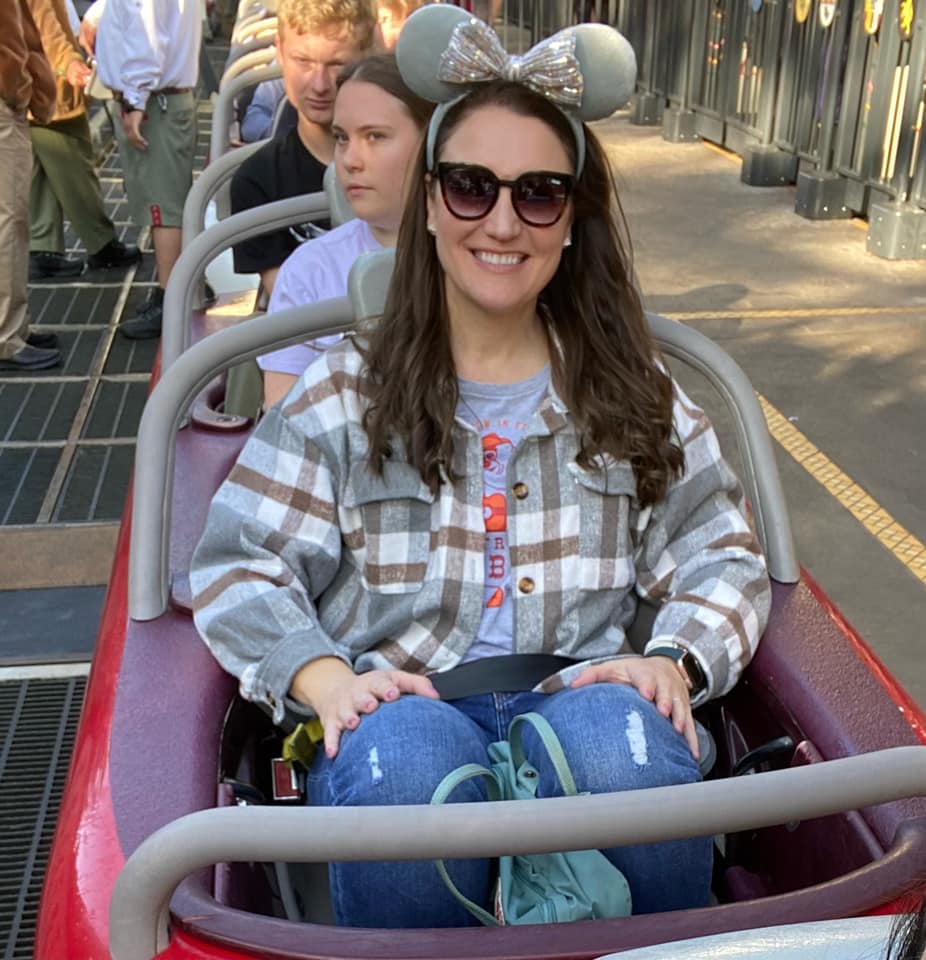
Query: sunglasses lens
point(540, 198)
point(469, 193)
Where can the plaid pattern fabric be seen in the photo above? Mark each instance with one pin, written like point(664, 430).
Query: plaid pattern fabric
point(308, 553)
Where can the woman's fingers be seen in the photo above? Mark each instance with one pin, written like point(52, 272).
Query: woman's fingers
point(415, 683)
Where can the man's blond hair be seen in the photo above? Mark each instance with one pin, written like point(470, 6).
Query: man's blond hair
point(314, 16)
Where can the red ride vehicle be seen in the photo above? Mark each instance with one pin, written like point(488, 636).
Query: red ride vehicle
point(170, 798)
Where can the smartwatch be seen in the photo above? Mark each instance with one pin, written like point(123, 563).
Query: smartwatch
point(687, 663)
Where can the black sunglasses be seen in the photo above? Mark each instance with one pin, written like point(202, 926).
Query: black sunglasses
point(471, 191)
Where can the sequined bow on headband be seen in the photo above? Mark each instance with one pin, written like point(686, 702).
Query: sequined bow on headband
point(476, 55)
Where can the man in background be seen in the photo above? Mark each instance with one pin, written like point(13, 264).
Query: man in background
point(64, 178)
point(316, 39)
point(147, 53)
point(26, 83)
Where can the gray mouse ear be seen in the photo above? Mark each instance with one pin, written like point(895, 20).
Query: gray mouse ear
point(609, 69)
point(424, 38)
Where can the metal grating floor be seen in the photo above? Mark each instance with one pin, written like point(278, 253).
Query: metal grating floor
point(38, 722)
point(67, 434)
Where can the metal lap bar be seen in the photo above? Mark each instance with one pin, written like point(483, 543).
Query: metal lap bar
point(201, 250)
point(154, 458)
point(139, 909)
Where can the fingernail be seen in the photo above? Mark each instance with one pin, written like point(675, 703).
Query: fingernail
point(329, 752)
point(392, 694)
point(369, 704)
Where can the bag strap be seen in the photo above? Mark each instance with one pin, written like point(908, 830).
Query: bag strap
point(551, 744)
point(469, 771)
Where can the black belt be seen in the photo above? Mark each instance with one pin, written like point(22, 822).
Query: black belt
point(164, 91)
point(511, 673)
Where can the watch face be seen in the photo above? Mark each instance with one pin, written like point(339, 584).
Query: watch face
point(694, 672)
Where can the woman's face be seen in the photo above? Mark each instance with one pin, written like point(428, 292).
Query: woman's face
point(497, 265)
point(375, 143)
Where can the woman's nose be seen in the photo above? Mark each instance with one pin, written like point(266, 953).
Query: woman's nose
point(502, 221)
point(352, 155)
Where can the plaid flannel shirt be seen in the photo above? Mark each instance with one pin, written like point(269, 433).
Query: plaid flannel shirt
point(308, 553)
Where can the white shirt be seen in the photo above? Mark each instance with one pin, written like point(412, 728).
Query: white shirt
point(147, 45)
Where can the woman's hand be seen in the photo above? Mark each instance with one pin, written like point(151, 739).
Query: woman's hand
point(657, 679)
point(341, 697)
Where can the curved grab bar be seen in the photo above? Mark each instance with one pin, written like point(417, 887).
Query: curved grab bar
point(208, 184)
point(140, 902)
point(254, 59)
point(201, 250)
point(223, 105)
point(249, 30)
point(760, 471)
point(154, 458)
point(241, 49)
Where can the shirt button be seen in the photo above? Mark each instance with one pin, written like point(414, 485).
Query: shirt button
point(520, 490)
point(526, 585)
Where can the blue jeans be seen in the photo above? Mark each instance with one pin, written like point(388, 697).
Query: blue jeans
point(613, 738)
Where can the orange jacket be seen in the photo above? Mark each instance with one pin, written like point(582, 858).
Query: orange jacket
point(51, 18)
point(26, 79)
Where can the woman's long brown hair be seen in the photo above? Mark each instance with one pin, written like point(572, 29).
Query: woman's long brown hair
point(604, 365)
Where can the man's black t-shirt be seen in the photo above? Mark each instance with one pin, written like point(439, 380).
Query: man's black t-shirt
point(281, 169)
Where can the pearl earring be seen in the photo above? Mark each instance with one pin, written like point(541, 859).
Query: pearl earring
point(568, 241)
point(432, 230)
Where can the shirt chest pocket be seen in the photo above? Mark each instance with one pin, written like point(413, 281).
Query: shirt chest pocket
point(386, 521)
point(607, 517)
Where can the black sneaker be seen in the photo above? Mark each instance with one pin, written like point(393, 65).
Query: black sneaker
point(114, 254)
point(53, 266)
point(31, 358)
point(44, 341)
point(146, 324)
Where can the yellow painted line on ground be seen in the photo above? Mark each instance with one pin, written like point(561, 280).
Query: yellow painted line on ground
point(808, 312)
point(910, 551)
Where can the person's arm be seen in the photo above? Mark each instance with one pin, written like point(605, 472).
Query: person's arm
point(143, 60)
point(701, 561)
point(37, 71)
point(297, 284)
point(89, 26)
point(271, 544)
point(59, 44)
point(258, 118)
point(268, 279)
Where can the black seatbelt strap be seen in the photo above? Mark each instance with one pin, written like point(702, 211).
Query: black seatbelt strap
point(511, 673)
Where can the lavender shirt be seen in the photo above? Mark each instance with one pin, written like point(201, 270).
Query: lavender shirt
point(313, 272)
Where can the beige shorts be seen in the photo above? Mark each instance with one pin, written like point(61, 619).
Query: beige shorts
point(158, 179)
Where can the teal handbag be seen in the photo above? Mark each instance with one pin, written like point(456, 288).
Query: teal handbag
point(537, 887)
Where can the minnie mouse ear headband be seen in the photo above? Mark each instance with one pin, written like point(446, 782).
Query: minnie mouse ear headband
point(444, 53)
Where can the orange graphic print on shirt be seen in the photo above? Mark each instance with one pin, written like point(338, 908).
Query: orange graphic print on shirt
point(495, 453)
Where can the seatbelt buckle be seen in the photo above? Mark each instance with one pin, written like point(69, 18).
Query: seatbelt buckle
point(285, 781)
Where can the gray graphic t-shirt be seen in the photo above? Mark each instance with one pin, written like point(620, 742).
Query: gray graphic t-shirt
point(501, 413)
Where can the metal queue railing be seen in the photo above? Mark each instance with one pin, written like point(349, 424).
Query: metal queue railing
point(830, 94)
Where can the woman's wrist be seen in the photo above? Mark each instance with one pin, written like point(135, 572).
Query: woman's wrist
point(312, 680)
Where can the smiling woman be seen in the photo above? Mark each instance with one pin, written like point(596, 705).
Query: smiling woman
point(500, 465)
point(377, 129)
